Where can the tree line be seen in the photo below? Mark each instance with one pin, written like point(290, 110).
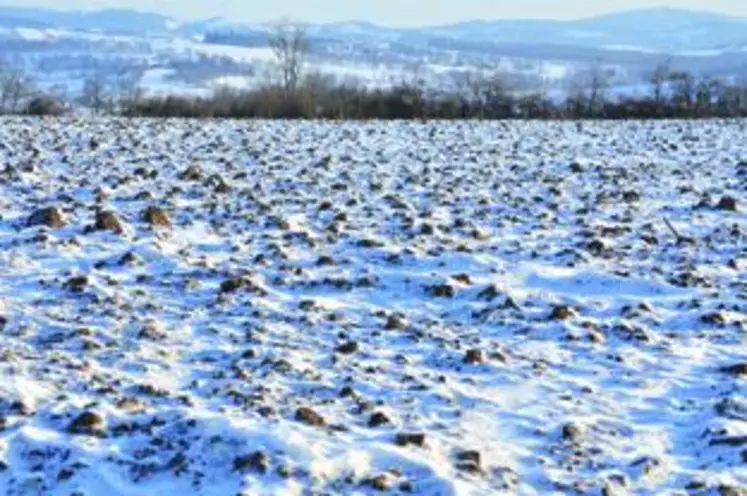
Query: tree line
point(101, 93)
point(678, 95)
point(301, 94)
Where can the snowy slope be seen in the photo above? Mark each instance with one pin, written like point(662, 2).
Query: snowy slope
point(441, 308)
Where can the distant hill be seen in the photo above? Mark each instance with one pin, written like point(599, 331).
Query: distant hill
point(649, 30)
point(59, 47)
point(657, 29)
point(114, 21)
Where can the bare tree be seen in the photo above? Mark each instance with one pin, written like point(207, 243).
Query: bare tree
point(684, 86)
point(290, 45)
point(707, 92)
point(587, 91)
point(486, 92)
point(128, 87)
point(576, 100)
point(732, 101)
point(319, 91)
point(659, 78)
point(15, 86)
point(96, 94)
point(408, 93)
point(599, 81)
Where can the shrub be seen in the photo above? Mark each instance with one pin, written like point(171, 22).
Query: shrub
point(42, 105)
point(320, 98)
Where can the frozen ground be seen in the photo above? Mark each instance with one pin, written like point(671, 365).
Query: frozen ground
point(219, 308)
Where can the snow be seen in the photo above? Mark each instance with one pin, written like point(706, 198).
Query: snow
point(555, 70)
point(702, 53)
point(629, 48)
point(156, 78)
point(32, 34)
point(370, 75)
point(244, 54)
point(602, 340)
point(157, 82)
point(584, 34)
point(239, 82)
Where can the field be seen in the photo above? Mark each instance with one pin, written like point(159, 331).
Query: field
point(222, 308)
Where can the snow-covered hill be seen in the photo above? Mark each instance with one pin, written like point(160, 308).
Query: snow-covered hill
point(665, 30)
point(116, 21)
point(195, 54)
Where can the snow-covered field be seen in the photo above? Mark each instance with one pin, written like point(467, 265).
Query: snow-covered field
point(248, 308)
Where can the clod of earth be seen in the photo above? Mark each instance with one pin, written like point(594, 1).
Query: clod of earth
point(572, 432)
point(348, 348)
point(191, 173)
point(108, 221)
point(257, 461)
point(51, 217)
point(129, 258)
point(463, 278)
point(156, 217)
point(378, 419)
point(87, 424)
point(733, 441)
point(490, 293)
point(347, 392)
point(469, 462)
point(473, 357)
point(715, 318)
point(77, 284)
point(395, 322)
point(597, 247)
point(737, 370)
point(151, 331)
point(442, 291)
point(21, 407)
point(220, 185)
point(562, 312)
point(427, 230)
point(232, 285)
point(410, 439)
point(131, 405)
point(728, 203)
point(325, 260)
point(469, 456)
point(732, 490)
point(310, 417)
point(382, 482)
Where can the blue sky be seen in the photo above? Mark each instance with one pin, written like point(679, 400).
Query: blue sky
point(391, 12)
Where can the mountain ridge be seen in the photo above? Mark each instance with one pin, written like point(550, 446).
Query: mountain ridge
point(652, 25)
